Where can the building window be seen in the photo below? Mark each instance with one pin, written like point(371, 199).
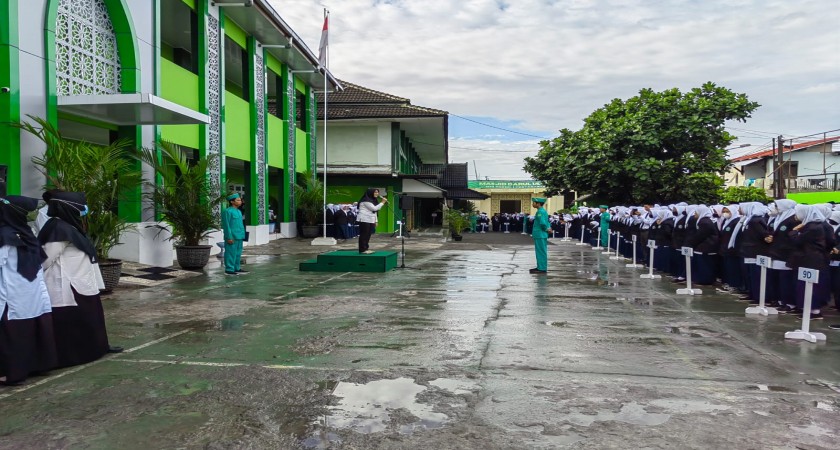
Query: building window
point(179, 34)
point(275, 94)
point(236, 69)
point(301, 110)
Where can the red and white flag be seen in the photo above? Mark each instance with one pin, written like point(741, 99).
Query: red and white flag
point(322, 49)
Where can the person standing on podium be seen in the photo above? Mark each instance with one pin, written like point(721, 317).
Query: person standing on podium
point(369, 206)
point(540, 235)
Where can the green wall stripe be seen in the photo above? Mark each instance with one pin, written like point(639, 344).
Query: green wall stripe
point(237, 34)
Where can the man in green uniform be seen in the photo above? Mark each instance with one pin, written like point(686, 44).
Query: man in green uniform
point(540, 235)
point(234, 231)
point(605, 225)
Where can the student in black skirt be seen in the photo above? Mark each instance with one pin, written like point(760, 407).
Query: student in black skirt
point(73, 281)
point(811, 250)
point(704, 241)
point(753, 233)
point(733, 281)
point(27, 342)
point(781, 279)
point(677, 241)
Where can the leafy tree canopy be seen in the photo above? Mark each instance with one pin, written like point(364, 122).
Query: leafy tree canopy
point(655, 147)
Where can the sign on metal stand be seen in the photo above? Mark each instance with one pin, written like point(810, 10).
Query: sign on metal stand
point(506, 227)
point(566, 237)
point(597, 238)
point(652, 246)
point(765, 263)
point(634, 265)
point(688, 252)
point(609, 242)
point(582, 229)
point(810, 277)
point(617, 246)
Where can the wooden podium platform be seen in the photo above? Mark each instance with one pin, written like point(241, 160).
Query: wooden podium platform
point(351, 261)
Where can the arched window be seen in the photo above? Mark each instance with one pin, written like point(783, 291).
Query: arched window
point(87, 60)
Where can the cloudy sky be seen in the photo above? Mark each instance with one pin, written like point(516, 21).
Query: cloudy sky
point(532, 67)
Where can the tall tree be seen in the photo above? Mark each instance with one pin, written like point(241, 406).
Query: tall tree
point(657, 146)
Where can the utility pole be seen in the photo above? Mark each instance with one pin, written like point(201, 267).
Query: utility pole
point(775, 170)
point(781, 142)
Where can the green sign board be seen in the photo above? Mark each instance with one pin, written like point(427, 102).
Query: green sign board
point(505, 184)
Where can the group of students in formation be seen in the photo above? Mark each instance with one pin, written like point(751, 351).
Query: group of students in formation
point(499, 222)
point(52, 315)
point(342, 220)
point(726, 240)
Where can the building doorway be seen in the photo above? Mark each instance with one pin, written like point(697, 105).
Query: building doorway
point(510, 206)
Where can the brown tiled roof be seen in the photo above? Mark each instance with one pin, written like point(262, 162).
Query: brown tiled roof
point(353, 93)
point(358, 102)
point(787, 149)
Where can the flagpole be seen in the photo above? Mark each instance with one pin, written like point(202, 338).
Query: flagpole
point(326, 93)
point(323, 59)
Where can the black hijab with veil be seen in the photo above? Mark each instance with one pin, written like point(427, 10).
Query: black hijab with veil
point(369, 197)
point(15, 232)
point(65, 225)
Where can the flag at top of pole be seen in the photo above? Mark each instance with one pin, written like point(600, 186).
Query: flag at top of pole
point(322, 49)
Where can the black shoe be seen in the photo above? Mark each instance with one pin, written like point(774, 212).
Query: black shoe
point(538, 271)
point(814, 316)
point(834, 326)
point(114, 349)
point(10, 383)
point(784, 309)
point(231, 273)
point(754, 302)
point(241, 272)
point(744, 297)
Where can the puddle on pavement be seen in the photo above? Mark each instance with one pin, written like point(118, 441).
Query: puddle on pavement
point(382, 405)
point(556, 324)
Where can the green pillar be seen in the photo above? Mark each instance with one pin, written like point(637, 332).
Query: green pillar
point(288, 213)
point(10, 101)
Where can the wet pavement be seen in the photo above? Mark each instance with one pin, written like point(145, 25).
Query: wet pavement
point(462, 349)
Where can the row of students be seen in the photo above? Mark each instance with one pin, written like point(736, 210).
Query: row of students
point(727, 239)
point(52, 314)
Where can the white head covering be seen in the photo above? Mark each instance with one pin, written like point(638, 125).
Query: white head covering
point(786, 208)
point(835, 216)
point(734, 214)
point(702, 211)
point(801, 211)
point(814, 214)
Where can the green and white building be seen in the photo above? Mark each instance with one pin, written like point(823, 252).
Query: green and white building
point(228, 77)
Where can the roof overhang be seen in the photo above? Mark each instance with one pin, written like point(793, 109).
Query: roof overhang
point(746, 162)
point(130, 109)
point(417, 188)
point(260, 20)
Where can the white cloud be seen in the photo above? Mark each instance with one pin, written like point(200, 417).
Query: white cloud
point(548, 63)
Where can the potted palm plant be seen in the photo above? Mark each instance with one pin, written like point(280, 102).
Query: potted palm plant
point(105, 173)
point(457, 223)
point(185, 199)
point(309, 199)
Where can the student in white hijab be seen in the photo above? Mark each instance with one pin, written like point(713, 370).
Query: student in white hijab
point(730, 260)
point(704, 241)
point(811, 250)
point(751, 238)
point(781, 280)
point(834, 269)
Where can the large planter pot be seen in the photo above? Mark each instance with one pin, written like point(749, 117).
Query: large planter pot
point(310, 231)
point(111, 270)
point(457, 237)
point(193, 256)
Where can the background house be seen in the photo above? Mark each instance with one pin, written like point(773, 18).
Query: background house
point(375, 139)
point(810, 170)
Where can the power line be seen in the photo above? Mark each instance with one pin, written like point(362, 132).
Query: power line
point(498, 128)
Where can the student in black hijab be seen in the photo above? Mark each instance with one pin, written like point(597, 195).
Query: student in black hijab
point(27, 342)
point(369, 205)
point(73, 281)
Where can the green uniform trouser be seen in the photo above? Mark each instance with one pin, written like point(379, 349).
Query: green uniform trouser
point(233, 256)
point(541, 248)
